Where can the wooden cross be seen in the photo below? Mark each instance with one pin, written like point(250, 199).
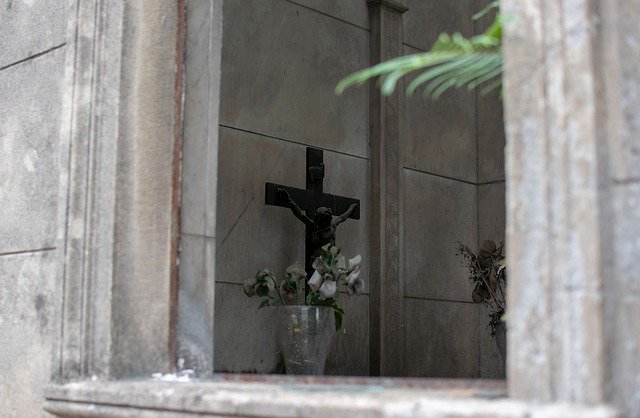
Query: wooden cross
point(311, 199)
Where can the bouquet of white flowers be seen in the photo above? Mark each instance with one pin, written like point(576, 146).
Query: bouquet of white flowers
point(331, 271)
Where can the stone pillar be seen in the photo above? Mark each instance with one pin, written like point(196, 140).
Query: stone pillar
point(573, 201)
point(386, 291)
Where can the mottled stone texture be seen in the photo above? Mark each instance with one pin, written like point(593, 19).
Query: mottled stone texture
point(572, 198)
point(30, 132)
point(280, 63)
point(31, 27)
point(29, 325)
point(30, 159)
point(454, 192)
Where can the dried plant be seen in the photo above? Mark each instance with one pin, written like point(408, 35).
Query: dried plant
point(487, 270)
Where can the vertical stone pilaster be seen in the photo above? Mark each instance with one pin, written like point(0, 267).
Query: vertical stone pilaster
point(571, 91)
point(386, 291)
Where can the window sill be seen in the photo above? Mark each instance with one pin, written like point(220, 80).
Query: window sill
point(275, 396)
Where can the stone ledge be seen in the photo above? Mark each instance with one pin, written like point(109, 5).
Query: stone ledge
point(302, 397)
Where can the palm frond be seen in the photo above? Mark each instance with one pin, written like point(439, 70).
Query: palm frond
point(453, 61)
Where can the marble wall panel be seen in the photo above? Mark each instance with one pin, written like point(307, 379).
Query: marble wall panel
point(491, 211)
point(31, 27)
point(244, 336)
point(29, 328)
point(438, 213)
point(425, 20)
point(251, 235)
point(440, 135)
point(354, 11)
point(349, 355)
point(491, 138)
point(280, 65)
point(441, 338)
point(29, 135)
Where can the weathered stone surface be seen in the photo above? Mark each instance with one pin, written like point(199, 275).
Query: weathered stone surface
point(354, 12)
point(30, 132)
point(31, 27)
point(29, 327)
point(253, 236)
point(201, 116)
point(244, 336)
point(491, 138)
point(195, 303)
point(425, 20)
point(283, 59)
point(491, 212)
point(349, 354)
point(440, 135)
point(262, 396)
point(620, 56)
point(441, 338)
point(438, 213)
point(623, 295)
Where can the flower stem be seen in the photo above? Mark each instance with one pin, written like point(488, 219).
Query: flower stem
point(275, 286)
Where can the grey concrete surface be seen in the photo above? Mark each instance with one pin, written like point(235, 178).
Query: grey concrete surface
point(30, 134)
point(440, 135)
point(442, 338)
point(425, 20)
point(354, 12)
point(438, 213)
point(29, 329)
point(283, 59)
point(491, 212)
point(46, 21)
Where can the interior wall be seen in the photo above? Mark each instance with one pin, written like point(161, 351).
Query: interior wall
point(281, 60)
point(454, 192)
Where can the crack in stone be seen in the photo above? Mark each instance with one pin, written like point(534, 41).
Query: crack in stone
point(236, 223)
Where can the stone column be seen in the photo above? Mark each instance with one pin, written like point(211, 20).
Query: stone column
point(573, 201)
point(386, 291)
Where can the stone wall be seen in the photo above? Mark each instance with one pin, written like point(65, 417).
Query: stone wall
point(281, 60)
point(32, 67)
point(454, 192)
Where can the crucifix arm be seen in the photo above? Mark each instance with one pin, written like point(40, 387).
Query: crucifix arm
point(296, 209)
point(339, 219)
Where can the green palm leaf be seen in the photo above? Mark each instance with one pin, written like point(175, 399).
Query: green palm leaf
point(453, 61)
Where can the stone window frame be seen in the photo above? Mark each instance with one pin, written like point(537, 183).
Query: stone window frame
point(122, 111)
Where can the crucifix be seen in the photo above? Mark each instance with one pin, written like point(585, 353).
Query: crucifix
point(320, 212)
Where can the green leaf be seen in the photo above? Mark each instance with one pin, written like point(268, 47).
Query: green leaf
point(265, 303)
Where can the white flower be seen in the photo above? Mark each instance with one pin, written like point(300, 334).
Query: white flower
point(315, 281)
point(340, 264)
point(249, 286)
point(321, 265)
point(328, 289)
point(352, 277)
point(354, 283)
point(296, 270)
point(354, 263)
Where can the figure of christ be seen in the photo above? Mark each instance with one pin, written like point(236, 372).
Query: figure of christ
point(323, 224)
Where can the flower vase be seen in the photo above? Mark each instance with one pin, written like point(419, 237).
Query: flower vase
point(304, 335)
